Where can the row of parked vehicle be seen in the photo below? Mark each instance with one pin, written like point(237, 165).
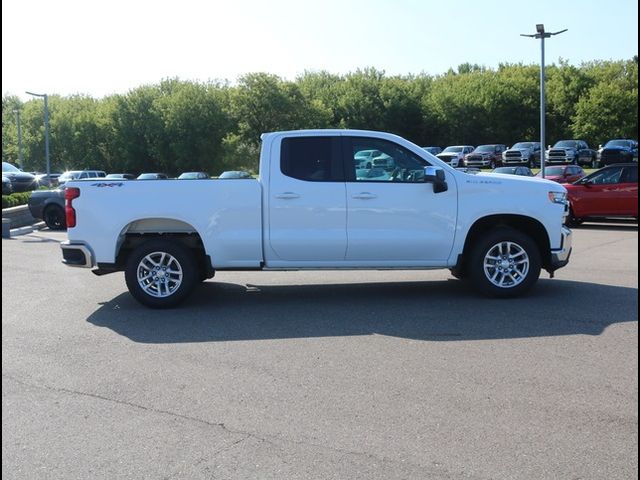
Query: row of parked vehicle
point(574, 152)
point(15, 180)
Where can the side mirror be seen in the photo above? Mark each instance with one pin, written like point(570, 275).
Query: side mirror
point(548, 147)
point(435, 176)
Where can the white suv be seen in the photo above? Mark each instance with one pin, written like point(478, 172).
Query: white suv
point(80, 175)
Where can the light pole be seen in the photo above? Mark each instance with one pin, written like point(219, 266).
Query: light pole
point(20, 159)
point(46, 129)
point(542, 35)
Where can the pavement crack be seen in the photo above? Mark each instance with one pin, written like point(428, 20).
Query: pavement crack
point(276, 442)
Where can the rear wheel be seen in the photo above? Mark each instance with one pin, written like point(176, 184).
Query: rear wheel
point(54, 217)
point(161, 273)
point(504, 263)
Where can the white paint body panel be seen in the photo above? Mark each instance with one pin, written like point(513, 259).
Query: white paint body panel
point(277, 222)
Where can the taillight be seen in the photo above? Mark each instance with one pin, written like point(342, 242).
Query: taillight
point(70, 214)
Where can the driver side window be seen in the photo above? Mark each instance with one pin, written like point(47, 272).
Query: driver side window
point(607, 177)
point(391, 163)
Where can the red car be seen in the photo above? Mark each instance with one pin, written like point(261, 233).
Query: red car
point(563, 173)
point(609, 192)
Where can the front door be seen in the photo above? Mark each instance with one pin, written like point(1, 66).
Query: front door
point(392, 214)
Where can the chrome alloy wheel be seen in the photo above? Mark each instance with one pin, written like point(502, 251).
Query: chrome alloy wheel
point(506, 264)
point(159, 274)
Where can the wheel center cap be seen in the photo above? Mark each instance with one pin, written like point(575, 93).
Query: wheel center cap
point(504, 264)
point(161, 274)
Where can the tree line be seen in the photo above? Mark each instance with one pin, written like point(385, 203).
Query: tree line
point(176, 126)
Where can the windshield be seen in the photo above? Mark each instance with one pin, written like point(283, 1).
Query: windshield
point(565, 144)
point(485, 148)
point(523, 145)
point(452, 150)
point(188, 176)
point(552, 171)
point(7, 167)
point(617, 143)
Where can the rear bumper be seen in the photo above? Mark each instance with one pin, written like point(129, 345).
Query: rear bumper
point(560, 257)
point(76, 255)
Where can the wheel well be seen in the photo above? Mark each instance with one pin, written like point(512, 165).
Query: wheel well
point(141, 231)
point(528, 225)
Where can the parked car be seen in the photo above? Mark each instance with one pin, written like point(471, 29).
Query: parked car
point(234, 174)
point(618, 151)
point(563, 173)
point(522, 171)
point(6, 186)
point(120, 176)
point(522, 153)
point(49, 181)
point(48, 205)
point(485, 156)
point(193, 176)
point(80, 175)
point(575, 152)
point(433, 150)
point(20, 181)
point(364, 158)
point(611, 191)
point(153, 176)
point(454, 155)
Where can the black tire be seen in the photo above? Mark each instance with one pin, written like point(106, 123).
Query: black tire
point(180, 259)
point(54, 217)
point(529, 164)
point(459, 274)
point(521, 263)
point(492, 164)
point(572, 220)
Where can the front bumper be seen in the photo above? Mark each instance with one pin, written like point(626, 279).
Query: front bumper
point(560, 257)
point(76, 255)
point(477, 162)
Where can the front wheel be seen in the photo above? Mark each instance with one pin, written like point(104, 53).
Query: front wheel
point(504, 263)
point(492, 164)
point(161, 273)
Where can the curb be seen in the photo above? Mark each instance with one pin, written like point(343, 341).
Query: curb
point(15, 232)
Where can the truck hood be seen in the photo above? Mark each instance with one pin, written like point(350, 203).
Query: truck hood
point(616, 149)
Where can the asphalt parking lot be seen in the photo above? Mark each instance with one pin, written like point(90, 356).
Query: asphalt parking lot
point(322, 375)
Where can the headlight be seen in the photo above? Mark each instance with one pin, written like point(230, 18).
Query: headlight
point(558, 197)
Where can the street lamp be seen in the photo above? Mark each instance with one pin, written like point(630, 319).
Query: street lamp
point(46, 128)
point(542, 35)
point(20, 159)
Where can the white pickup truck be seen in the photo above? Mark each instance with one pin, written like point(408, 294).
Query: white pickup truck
point(313, 207)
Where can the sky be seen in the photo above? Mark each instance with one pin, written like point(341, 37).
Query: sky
point(99, 48)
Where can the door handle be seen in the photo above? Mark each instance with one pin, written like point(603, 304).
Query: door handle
point(287, 195)
point(364, 196)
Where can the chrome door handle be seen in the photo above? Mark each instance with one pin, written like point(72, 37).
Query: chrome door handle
point(287, 195)
point(364, 196)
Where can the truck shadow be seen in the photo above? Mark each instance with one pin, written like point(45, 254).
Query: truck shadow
point(429, 311)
